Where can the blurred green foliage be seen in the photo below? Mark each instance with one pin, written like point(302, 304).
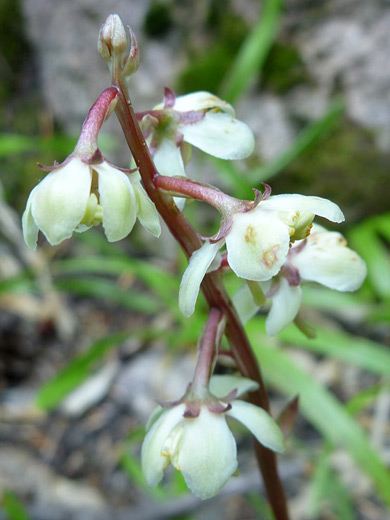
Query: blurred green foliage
point(13, 507)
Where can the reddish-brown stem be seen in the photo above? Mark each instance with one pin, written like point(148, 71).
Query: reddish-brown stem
point(199, 191)
point(206, 351)
point(87, 143)
point(212, 287)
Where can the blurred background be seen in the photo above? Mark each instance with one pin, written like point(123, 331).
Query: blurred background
point(90, 333)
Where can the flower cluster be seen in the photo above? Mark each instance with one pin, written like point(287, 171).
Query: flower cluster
point(203, 447)
point(199, 119)
point(258, 241)
point(323, 258)
point(271, 243)
point(76, 196)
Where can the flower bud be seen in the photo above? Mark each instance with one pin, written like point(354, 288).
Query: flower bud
point(131, 62)
point(112, 37)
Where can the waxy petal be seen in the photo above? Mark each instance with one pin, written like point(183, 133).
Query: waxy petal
point(207, 454)
point(327, 260)
point(285, 306)
point(30, 229)
point(152, 461)
point(168, 159)
point(245, 304)
point(193, 276)
point(59, 201)
point(201, 100)
point(302, 203)
point(146, 210)
point(220, 135)
point(257, 245)
point(259, 423)
point(222, 385)
point(118, 200)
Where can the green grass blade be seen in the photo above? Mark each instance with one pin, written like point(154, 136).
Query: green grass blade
point(365, 398)
point(13, 144)
point(310, 135)
point(13, 507)
point(323, 410)
point(132, 467)
point(366, 241)
point(54, 391)
point(109, 290)
point(253, 52)
point(161, 282)
point(327, 488)
point(243, 182)
point(354, 350)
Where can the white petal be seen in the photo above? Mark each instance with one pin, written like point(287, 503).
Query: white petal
point(193, 276)
point(207, 454)
point(201, 101)
point(152, 462)
point(30, 229)
point(221, 386)
point(260, 424)
point(293, 202)
point(326, 259)
point(245, 304)
point(157, 412)
point(220, 135)
point(257, 244)
point(168, 161)
point(146, 210)
point(60, 199)
point(285, 306)
point(118, 200)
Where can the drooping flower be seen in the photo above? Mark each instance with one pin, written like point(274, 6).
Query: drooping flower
point(257, 241)
point(199, 119)
point(203, 447)
point(323, 258)
point(76, 195)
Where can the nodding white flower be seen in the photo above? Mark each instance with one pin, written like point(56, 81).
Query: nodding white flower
point(323, 258)
point(203, 447)
point(258, 241)
point(199, 119)
point(76, 196)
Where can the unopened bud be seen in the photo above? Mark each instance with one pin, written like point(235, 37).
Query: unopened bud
point(112, 37)
point(131, 62)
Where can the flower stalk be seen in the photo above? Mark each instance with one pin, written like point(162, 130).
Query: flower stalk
point(212, 286)
point(87, 145)
point(207, 351)
point(202, 192)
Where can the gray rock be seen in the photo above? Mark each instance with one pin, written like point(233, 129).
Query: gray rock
point(22, 473)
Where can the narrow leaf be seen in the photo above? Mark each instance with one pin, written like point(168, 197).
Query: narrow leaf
point(253, 52)
point(323, 410)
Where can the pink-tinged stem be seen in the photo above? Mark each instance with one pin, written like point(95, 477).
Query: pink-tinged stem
point(196, 190)
point(206, 353)
point(87, 144)
point(212, 288)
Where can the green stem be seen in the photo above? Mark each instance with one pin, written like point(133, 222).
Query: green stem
point(212, 288)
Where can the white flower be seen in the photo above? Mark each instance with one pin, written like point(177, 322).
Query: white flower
point(258, 241)
point(202, 120)
point(76, 196)
point(203, 448)
point(323, 258)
